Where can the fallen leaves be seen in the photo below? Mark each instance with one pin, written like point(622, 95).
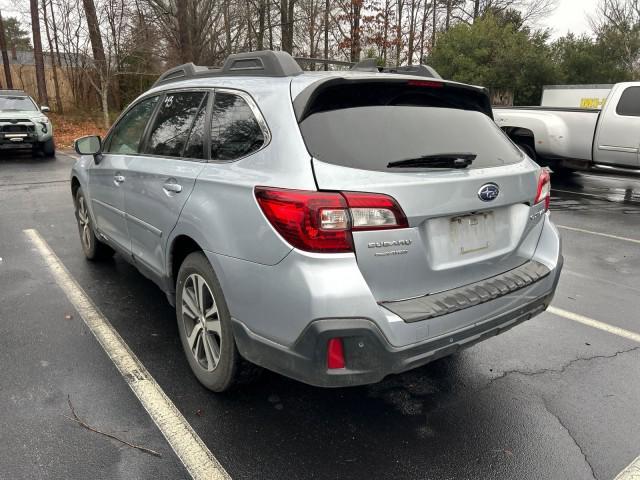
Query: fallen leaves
point(68, 127)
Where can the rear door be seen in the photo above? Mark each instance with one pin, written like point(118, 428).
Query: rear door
point(161, 178)
point(107, 179)
point(618, 135)
point(465, 224)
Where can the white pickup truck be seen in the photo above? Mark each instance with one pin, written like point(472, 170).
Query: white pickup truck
point(574, 138)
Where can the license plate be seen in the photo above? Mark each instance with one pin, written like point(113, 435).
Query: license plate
point(472, 233)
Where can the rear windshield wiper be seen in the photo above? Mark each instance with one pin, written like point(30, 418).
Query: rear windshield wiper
point(438, 160)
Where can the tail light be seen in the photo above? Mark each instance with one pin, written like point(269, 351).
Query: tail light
point(323, 221)
point(544, 188)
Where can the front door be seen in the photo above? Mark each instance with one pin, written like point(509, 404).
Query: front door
point(108, 177)
point(162, 177)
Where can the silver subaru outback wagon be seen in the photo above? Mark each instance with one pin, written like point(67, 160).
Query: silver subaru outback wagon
point(335, 227)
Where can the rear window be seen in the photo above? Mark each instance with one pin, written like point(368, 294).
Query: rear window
point(370, 137)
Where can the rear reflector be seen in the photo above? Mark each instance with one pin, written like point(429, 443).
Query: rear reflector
point(335, 354)
point(544, 188)
point(323, 221)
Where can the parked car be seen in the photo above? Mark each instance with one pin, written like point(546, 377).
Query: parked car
point(335, 227)
point(575, 138)
point(24, 125)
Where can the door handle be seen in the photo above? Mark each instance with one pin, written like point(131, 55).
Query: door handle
point(118, 179)
point(172, 187)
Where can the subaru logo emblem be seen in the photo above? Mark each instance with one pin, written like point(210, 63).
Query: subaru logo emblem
point(488, 192)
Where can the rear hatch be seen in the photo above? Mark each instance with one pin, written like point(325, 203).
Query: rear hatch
point(355, 129)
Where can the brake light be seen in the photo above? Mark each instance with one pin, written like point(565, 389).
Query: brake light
point(323, 221)
point(544, 188)
point(425, 83)
point(335, 354)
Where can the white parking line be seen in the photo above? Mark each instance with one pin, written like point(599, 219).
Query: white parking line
point(190, 449)
point(632, 472)
point(607, 235)
point(576, 317)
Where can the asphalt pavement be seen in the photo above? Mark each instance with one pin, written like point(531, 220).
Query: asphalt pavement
point(551, 399)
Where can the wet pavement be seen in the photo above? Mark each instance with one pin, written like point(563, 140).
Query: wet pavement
point(551, 398)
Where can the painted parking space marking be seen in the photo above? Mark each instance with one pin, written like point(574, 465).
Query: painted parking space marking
point(632, 472)
point(590, 322)
point(600, 234)
point(185, 442)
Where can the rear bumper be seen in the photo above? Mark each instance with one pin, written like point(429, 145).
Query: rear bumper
point(369, 355)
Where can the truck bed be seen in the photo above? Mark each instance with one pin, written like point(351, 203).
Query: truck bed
point(558, 133)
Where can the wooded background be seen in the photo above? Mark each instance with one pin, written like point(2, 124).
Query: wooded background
point(100, 54)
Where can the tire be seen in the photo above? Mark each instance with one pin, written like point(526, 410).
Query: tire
point(48, 148)
point(93, 248)
point(213, 357)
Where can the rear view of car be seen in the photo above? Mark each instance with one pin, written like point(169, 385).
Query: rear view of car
point(335, 227)
point(445, 219)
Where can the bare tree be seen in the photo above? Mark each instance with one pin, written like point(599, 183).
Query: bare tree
point(56, 84)
point(102, 68)
point(5, 55)
point(41, 81)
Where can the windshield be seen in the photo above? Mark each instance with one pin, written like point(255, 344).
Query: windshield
point(370, 138)
point(17, 103)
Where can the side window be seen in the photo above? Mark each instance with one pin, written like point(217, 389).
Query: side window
point(629, 103)
point(127, 134)
point(235, 132)
point(170, 131)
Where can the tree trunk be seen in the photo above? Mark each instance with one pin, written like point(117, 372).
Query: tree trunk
point(184, 35)
point(326, 33)
point(476, 9)
point(43, 98)
point(104, 99)
point(260, 33)
point(423, 28)
point(5, 56)
point(98, 56)
point(435, 25)
point(55, 33)
point(286, 20)
point(447, 20)
point(385, 35)
point(356, 13)
point(56, 85)
point(269, 25)
point(399, 32)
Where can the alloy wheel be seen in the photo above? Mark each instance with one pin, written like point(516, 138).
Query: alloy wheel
point(201, 322)
point(83, 223)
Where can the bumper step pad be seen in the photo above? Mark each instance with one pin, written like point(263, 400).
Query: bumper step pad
point(443, 303)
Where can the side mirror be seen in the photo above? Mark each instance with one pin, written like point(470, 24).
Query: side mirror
point(45, 109)
point(90, 145)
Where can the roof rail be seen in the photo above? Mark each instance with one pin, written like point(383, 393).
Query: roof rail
point(269, 63)
point(324, 61)
point(264, 63)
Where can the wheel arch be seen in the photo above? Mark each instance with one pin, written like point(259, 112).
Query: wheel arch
point(75, 185)
point(181, 246)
